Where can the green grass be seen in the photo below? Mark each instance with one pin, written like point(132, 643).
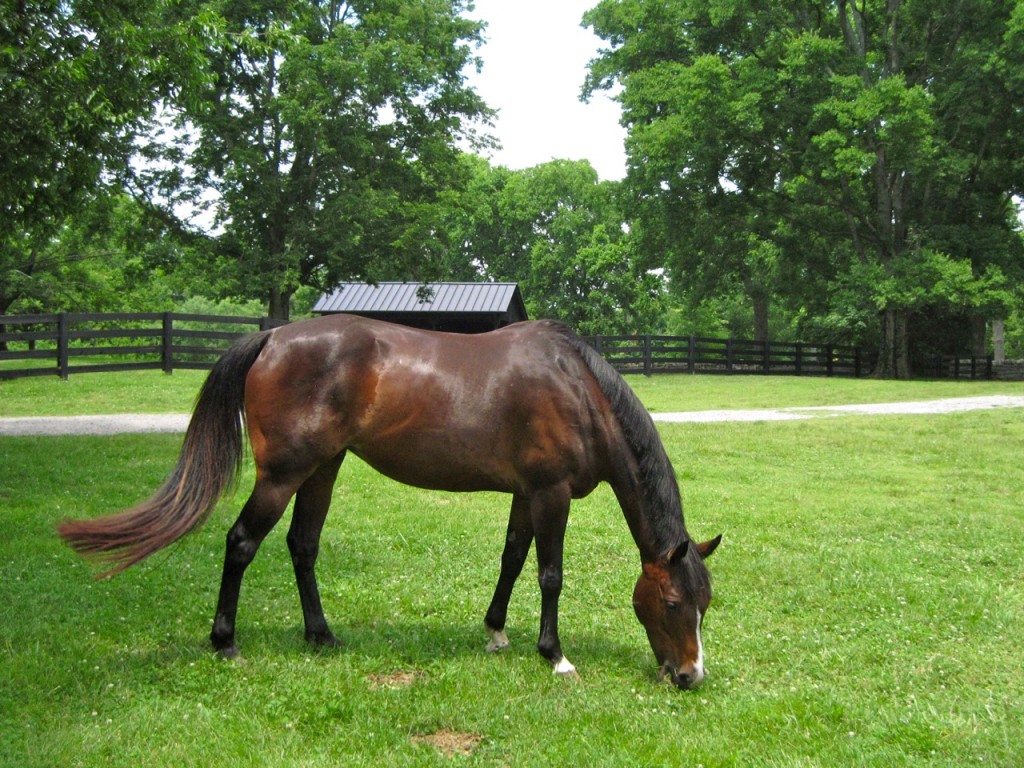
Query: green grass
point(156, 392)
point(868, 609)
point(88, 394)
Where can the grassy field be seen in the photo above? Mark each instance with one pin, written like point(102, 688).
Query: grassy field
point(156, 392)
point(868, 604)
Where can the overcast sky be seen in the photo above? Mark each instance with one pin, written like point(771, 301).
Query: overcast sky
point(535, 60)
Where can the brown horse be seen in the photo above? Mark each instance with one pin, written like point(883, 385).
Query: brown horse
point(529, 409)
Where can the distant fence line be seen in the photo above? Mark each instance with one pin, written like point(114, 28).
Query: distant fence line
point(66, 343)
point(650, 354)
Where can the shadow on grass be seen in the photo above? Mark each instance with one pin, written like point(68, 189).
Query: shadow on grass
point(385, 645)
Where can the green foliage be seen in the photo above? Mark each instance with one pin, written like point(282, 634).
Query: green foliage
point(1014, 335)
point(328, 132)
point(78, 80)
point(199, 305)
point(558, 231)
point(104, 259)
point(840, 173)
point(725, 315)
point(846, 139)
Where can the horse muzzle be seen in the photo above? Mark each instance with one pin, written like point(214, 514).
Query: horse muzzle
point(682, 679)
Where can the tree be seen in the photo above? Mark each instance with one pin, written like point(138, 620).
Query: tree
point(558, 231)
point(580, 265)
point(328, 131)
point(77, 81)
point(849, 142)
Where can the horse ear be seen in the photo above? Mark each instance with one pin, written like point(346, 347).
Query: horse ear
point(676, 555)
point(705, 549)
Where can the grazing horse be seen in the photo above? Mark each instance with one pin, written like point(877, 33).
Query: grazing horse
point(529, 409)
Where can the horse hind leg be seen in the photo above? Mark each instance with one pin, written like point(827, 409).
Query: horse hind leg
point(259, 515)
point(312, 503)
point(518, 538)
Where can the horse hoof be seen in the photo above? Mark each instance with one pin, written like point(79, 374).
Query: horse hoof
point(499, 641)
point(566, 670)
point(323, 640)
point(230, 652)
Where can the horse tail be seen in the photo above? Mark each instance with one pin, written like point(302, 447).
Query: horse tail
point(209, 463)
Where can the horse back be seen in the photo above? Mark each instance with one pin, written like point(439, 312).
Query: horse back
point(509, 410)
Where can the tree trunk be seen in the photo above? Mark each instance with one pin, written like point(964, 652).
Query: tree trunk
point(760, 318)
point(979, 327)
point(894, 350)
point(279, 306)
point(998, 342)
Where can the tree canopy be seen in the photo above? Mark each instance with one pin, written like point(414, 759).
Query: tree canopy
point(328, 131)
point(77, 82)
point(558, 231)
point(826, 151)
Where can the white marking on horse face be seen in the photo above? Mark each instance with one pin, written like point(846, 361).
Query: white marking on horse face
point(698, 664)
point(563, 667)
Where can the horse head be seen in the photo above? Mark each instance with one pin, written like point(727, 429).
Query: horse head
point(670, 600)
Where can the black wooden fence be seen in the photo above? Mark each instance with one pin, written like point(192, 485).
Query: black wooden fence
point(695, 354)
point(66, 343)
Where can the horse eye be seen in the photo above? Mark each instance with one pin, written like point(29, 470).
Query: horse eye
point(671, 605)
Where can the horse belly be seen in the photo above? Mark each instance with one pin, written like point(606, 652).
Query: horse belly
point(431, 464)
point(490, 455)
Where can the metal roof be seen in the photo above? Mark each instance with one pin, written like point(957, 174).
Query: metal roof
point(436, 298)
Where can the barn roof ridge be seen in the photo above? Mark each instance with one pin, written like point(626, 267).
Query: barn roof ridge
point(460, 298)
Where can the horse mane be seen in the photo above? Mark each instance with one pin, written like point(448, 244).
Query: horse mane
point(663, 505)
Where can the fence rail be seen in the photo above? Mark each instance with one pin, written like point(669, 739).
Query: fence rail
point(66, 343)
point(696, 354)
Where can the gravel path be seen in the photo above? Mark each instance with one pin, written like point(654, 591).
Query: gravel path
point(949, 405)
point(95, 425)
point(177, 422)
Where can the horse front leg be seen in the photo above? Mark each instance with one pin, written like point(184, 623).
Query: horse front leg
point(518, 538)
point(550, 514)
point(312, 503)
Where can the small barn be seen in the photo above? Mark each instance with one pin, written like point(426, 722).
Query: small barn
point(455, 307)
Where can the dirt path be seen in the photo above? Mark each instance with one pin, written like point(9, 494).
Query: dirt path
point(177, 422)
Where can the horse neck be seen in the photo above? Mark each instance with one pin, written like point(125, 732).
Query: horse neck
point(649, 497)
point(641, 473)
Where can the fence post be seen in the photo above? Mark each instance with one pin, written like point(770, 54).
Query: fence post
point(728, 354)
point(799, 362)
point(167, 343)
point(828, 365)
point(766, 357)
point(691, 355)
point(648, 363)
point(63, 369)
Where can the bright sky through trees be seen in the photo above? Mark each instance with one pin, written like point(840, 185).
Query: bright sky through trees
point(535, 61)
